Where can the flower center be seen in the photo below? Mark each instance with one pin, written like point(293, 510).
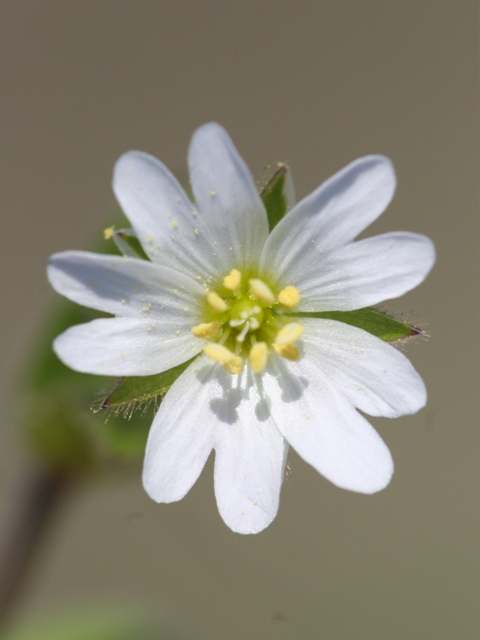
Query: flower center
point(245, 318)
point(246, 315)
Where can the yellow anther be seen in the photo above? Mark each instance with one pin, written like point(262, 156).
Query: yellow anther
point(234, 366)
point(290, 296)
point(206, 329)
point(288, 351)
point(216, 302)
point(108, 233)
point(233, 280)
point(218, 353)
point(258, 357)
point(290, 333)
point(261, 291)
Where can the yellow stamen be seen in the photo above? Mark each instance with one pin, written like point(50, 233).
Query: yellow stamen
point(234, 366)
point(233, 280)
point(289, 334)
point(258, 357)
point(218, 353)
point(206, 329)
point(261, 291)
point(290, 296)
point(108, 233)
point(216, 302)
point(288, 351)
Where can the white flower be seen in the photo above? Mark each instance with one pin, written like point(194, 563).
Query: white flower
point(220, 287)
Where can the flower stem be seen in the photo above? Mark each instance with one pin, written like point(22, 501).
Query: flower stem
point(35, 504)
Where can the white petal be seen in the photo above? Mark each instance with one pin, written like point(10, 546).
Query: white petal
point(181, 436)
point(329, 218)
point(325, 430)
point(127, 346)
point(250, 457)
point(365, 273)
point(371, 374)
point(231, 213)
point(207, 407)
point(124, 286)
point(165, 221)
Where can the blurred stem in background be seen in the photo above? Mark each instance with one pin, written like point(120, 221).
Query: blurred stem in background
point(36, 503)
point(67, 443)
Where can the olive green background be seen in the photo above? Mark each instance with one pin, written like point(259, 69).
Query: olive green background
point(317, 84)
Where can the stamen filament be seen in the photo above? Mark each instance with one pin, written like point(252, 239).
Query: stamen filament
point(225, 335)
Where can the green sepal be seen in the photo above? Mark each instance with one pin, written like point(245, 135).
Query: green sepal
point(276, 195)
point(128, 244)
point(141, 389)
point(374, 321)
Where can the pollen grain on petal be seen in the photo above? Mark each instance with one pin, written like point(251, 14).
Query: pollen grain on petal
point(233, 280)
point(216, 302)
point(261, 291)
point(258, 356)
point(206, 329)
point(290, 296)
point(109, 232)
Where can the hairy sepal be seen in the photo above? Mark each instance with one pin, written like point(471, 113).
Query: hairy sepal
point(140, 390)
point(376, 322)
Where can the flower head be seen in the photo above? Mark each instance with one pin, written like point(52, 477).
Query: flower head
point(219, 288)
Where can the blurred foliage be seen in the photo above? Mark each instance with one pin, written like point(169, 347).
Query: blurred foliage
point(65, 428)
point(106, 625)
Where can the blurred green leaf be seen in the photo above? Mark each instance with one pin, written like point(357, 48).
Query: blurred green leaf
point(108, 625)
point(58, 435)
point(376, 322)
